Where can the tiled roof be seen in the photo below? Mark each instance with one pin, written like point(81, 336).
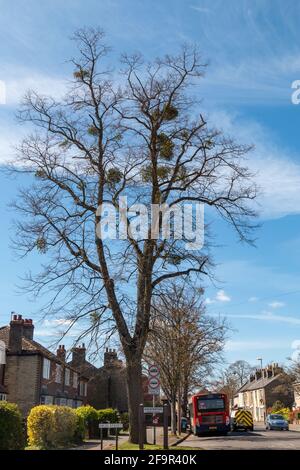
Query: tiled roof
point(260, 383)
point(87, 369)
point(29, 345)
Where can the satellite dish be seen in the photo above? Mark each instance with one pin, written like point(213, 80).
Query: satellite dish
point(2, 352)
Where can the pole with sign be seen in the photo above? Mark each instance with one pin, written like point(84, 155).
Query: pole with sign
point(153, 389)
point(109, 426)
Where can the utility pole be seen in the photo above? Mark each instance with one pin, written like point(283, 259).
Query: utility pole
point(261, 371)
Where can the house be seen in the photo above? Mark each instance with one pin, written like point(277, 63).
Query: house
point(264, 388)
point(107, 385)
point(33, 375)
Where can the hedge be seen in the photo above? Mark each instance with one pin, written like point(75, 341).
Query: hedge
point(11, 428)
point(91, 417)
point(51, 426)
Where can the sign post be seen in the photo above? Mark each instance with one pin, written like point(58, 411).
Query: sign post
point(141, 426)
point(153, 389)
point(166, 444)
point(109, 426)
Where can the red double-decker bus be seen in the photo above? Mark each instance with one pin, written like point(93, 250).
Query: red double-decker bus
point(209, 412)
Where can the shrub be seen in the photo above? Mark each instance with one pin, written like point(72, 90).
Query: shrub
point(11, 429)
point(81, 428)
point(51, 426)
point(41, 427)
point(87, 421)
point(65, 425)
point(285, 412)
point(108, 414)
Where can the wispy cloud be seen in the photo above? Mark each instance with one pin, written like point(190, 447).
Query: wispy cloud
point(255, 345)
point(266, 316)
point(221, 296)
point(276, 304)
point(200, 9)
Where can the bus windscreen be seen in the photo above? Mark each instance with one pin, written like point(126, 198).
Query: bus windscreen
point(211, 404)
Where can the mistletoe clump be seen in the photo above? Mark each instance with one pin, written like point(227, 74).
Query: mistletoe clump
point(165, 146)
point(113, 176)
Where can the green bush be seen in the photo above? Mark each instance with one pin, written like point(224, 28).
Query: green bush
point(108, 414)
point(51, 426)
point(65, 425)
point(87, 421)
point(81, 429)
point(285, 412)
point(11, 429)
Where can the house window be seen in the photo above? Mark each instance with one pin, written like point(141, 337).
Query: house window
point(46, 400)
point(46, 368)
point(2, 397)
point(58, 373)
point(75, 380)
point(70, 402)
point(83, 389)
point(67, 377)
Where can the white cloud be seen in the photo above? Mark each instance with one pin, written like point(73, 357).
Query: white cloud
point(209, 301)
point(266, 316)
point(276, 304)
point(276, 169)
point(254, 345)
point(253, 299)
point(200, 9)
point(222, 296)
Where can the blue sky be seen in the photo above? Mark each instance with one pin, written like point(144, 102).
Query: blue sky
point(253, 50)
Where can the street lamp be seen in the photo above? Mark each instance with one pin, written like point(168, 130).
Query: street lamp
point(261, 371)
point(261, 366)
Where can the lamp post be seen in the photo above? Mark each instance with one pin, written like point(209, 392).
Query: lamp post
point(261, 371)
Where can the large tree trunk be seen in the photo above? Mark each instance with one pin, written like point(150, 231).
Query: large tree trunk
point(135, 394)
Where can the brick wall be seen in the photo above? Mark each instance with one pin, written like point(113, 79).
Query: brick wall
point(22, 380)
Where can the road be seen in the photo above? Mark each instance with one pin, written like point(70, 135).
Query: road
point(259, 439)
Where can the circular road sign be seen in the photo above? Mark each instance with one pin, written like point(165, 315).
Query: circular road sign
point(153, 382)
point(153, 370)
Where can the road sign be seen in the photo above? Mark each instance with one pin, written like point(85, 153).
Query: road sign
point(153, 409)
point(153, 371)
point(153, 382)
point(110, 425)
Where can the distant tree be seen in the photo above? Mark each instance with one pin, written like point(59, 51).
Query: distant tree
point(138, 133)
point(232, 378)
point(184, 342)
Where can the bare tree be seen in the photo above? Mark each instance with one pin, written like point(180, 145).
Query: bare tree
point(183, 342)
point(233, 377)
point(140, 134)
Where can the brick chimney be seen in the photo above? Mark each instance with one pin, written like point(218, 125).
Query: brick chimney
point(28, 328)
point(78, 355)
point(111, 358)
point(61, 352)
point(15, 334)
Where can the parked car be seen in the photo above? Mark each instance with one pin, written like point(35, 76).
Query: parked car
point(275, 421)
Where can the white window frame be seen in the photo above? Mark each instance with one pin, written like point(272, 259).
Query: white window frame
point(46, 368)
point(3, 397)
point(58, 374)
point(67, 377)
point(75, 380)
point(83, 389)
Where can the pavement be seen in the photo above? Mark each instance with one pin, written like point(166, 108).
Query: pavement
point(95, 444)
point(259, 439)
